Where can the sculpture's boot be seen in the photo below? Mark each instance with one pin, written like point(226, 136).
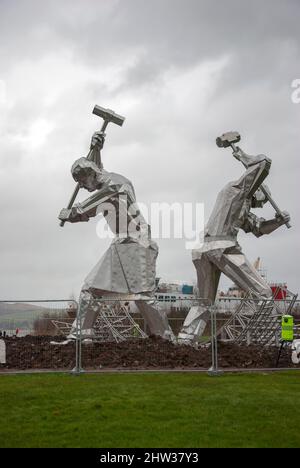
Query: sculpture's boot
point(86, 316)
point(194, 325)
point(155, 318)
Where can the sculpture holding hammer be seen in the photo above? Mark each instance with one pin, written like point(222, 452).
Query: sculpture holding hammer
point(94, 154)
point(128, 266)
point(221, 252)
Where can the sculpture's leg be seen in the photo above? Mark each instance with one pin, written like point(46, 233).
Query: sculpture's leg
point(194, 324)
point(236, 266)
point(155, 319)
point(208, 276)
point(86, 315)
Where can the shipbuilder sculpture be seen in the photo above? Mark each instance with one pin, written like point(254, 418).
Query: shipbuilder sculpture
point(221, 252)
point(128, 267)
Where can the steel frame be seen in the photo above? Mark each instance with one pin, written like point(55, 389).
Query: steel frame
point(257, 321)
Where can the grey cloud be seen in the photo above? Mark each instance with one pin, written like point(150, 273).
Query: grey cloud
point(166, 147)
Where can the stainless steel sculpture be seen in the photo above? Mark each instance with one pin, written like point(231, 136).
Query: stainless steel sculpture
point(108, 116)
point(128, 267)
point(221, 252)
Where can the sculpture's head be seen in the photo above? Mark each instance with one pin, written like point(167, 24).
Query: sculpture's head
point(86, 173)
point(259, 199)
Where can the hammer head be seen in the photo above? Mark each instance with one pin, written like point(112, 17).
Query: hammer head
point(228, 139)
point(108, 115)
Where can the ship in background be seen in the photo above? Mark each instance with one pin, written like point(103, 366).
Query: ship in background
point(175, 295)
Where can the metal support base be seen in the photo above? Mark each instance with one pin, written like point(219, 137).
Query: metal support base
point(214, 372)
point(76, 371)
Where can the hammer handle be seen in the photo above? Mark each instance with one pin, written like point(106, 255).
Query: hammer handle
point(266, 194)
point(76, 190)
point(274, 204)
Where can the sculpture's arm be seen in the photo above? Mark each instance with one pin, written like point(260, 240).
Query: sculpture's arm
point(260, 226)
point(88, 208)
point(248, 160)
point(258, 168)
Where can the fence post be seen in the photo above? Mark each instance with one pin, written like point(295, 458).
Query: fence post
point(78, 369)
point(80, 341)
point(214, 370)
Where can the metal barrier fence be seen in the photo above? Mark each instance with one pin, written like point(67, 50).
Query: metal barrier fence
point(135, 353)
point(33, 335)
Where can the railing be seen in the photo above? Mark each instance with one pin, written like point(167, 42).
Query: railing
point(35, 331)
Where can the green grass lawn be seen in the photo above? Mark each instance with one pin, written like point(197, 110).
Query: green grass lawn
point(150, 410)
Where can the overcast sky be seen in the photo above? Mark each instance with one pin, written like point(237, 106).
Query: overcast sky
point(181, 72)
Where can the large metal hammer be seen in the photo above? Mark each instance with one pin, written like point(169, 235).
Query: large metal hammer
point(108, 116)
point(229, 139)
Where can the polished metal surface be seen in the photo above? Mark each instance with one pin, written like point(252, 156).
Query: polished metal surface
point(221, 252)
point(128, 267)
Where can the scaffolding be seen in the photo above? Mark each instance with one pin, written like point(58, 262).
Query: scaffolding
point(257, 321)
point(113, 323)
